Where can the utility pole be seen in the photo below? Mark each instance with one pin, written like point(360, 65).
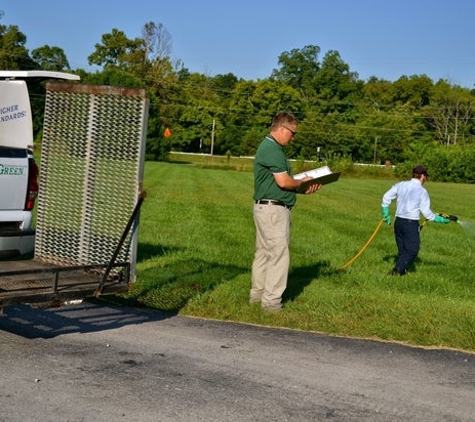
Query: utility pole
point(375, 153)
point(212, 138)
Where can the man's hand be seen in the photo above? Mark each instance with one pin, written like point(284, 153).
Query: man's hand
point(442, 220)
point(311, 188)
point(385, 215)
point(287, 182)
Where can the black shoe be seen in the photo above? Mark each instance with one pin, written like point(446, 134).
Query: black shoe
point(395, 271)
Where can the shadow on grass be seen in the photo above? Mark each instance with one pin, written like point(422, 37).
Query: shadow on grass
point(392, 259)
point(170, 288)
point(301, 277)
point(147, 251)
point(179, 162)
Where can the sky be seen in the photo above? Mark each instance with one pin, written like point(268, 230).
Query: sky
point(382, 38)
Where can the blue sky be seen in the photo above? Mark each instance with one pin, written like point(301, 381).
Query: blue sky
point(382, 38)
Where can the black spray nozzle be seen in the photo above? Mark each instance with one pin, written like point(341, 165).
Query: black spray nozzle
point(451, 217)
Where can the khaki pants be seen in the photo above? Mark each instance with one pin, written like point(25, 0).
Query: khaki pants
point(271, 259)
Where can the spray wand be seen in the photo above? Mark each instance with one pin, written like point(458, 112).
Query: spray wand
point(451, 217)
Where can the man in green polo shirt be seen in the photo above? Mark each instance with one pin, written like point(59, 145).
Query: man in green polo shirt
point(274, 196)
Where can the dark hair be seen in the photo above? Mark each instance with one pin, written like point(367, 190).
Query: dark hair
point(418, 171)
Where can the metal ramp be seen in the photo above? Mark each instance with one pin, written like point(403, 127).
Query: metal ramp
point(90, 192)
point(41, 283)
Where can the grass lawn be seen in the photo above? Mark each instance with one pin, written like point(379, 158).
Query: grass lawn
point(196, 246)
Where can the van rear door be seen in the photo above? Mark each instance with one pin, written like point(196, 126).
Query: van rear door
point(16, 125)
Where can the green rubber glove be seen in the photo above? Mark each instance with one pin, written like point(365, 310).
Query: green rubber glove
point(441, 220)
point(385, 215)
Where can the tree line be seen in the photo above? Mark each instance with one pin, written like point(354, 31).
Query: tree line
point(413, 119)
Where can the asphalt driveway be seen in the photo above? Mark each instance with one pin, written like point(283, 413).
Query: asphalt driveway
point(91, 362)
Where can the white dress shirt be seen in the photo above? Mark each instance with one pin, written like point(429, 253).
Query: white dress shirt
point(412, 200)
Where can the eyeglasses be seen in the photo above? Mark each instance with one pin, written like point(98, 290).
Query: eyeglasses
point(293, 132)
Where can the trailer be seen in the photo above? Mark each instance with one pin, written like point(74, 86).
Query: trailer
point(89, 197)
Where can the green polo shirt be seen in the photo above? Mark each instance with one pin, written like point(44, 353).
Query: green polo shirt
point(270, 158)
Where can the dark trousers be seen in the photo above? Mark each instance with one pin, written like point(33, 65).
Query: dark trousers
point(408, 241)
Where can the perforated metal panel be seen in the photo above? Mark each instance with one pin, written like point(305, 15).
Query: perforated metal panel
point(91, 173)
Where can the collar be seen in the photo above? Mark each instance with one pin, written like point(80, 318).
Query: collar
point(272, 139)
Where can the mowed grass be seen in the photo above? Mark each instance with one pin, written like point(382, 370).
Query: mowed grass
point(196, 246)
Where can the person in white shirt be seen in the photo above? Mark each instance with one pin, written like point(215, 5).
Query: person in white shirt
point(412, 199)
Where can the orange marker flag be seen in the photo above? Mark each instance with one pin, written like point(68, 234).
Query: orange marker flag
point(167, 132)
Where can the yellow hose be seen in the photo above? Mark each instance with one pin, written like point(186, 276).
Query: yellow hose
point(364, 247)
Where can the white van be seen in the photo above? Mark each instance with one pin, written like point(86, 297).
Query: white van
point(18, 170)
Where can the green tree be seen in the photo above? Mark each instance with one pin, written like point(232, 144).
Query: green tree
point(414, 91)
point(377, 93)
point(335, 83)
point(384, 135)
point(118, 50)
point(156, 66)
point(253, 104)
point(298, 69)
point(390, 124)
point(50, 58)
point(194, 115)
point(13, 53)
point(114, 76)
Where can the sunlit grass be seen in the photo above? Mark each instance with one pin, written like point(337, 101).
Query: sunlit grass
point(196, 246)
